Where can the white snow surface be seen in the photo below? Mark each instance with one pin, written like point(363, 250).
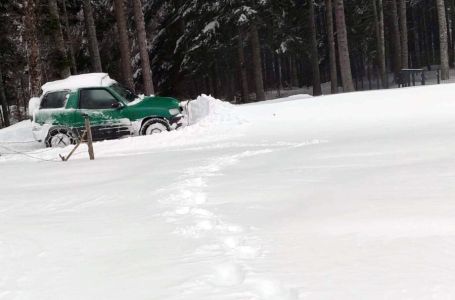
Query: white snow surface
point(348, 196)
point(79, 81)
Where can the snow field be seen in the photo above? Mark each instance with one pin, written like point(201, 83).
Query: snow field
point(340, 197)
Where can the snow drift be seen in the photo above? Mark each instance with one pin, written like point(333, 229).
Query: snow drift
point(208, 111)
point(339, 197)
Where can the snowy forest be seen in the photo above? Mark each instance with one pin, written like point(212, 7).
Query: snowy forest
point(235, 50)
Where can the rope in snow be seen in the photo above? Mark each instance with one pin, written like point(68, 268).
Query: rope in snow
point(28, 155)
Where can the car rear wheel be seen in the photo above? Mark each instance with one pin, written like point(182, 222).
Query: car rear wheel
point(154, 126)
point(60, 137)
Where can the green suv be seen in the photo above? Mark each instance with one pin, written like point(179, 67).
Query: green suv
point(113, 110)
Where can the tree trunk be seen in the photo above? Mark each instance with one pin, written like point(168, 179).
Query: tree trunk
point(404, 35)
point(332, 51)
point(443, 39)
point(434, 35)
point(142, 40)
point(293, 70)
point(395, 32)
point(90, 27)
point(314, 53)
point(243, 74)
point(24, 91)
point(257, 66)
point(62, 59)
point(452, 22)
point(426, 40)
point(417, 51)
point(378, 12)
point(343, 48)
point(33, 50)
point(69, 39)
point(280, 74)
point(3, 100)
point(229, 84)
point(449, 36)
point(124, 44)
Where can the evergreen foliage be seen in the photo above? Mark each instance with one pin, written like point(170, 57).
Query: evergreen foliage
point(194, 45)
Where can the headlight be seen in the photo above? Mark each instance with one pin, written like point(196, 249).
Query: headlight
point(174, 111)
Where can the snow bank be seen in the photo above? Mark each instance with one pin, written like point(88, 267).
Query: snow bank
point(17, 138)
point(211, 120)
point(221, 211)
point(20, 132)
point(206, 110)
point(297, 97)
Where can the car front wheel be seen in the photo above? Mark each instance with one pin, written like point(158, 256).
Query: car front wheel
point(60, 137)
point(154, 126)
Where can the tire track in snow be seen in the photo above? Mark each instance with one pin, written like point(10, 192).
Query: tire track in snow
point(235, 245)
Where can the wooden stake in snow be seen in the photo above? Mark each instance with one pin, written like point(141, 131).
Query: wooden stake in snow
point(87, 134)
point(89, 137)
point(75, 148)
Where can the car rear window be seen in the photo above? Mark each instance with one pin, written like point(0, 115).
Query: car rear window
point(54, 100)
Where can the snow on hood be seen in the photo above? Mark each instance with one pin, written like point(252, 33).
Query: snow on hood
point(79, 81)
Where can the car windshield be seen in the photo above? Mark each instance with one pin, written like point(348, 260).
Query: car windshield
point(124, 92)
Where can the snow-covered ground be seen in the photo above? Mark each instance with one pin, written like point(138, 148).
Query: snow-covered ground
point(340, 197)
point(430, 79)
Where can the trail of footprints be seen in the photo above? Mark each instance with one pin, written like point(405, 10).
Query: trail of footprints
point(235, 245)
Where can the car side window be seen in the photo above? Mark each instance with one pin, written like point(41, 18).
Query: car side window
point(96, 99)
point(54, 100)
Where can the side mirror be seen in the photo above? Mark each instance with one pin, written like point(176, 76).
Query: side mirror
point(117, 105)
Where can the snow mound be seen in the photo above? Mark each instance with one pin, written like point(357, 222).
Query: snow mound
point(18, 132)
point(206, 110)
point(17, 138)
point(79, 81)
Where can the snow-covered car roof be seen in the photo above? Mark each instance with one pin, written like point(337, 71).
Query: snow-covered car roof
point(79, 81)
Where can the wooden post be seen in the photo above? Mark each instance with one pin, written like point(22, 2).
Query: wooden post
point(89, 137)
point(81, 140)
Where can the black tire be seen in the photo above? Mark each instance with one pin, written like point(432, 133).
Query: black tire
point(154, 126)
point(59, 137)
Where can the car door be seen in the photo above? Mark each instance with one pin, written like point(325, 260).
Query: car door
point(52, 109)
point(106, 114)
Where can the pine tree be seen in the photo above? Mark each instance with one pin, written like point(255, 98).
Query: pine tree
point(403, 34)
point(443, 39)
point(378, 12)
point(242, 65)
point(331, 46)
point(3, 101)
point(314, 52)
point(91, 35)
point(69, 39)
point(343, 48)
point(33, 53)
point(395, 32)
point(124, 44)
point(417, 46)
point(143, 50)
point(60, 59)
point(257, 65)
